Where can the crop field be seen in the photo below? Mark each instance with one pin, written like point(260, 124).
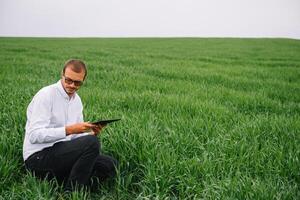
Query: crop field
point(201, 118)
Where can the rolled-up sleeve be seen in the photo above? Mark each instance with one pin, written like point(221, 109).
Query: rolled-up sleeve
point(39, 129)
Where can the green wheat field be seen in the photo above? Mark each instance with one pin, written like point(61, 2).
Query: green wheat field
point(201, 118)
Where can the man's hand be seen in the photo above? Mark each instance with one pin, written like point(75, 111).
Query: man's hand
point(80, 128)
point(97, 129)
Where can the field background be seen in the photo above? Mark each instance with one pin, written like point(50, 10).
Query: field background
point(201, 118)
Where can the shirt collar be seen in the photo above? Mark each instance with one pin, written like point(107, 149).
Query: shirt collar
point(63, 92)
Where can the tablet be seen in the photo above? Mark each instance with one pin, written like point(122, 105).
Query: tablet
point(105, 121)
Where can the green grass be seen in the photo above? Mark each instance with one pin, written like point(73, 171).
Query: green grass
point(201, 118)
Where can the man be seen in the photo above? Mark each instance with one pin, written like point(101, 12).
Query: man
point(57, 142)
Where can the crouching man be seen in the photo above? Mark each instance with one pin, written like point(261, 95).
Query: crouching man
point(58, 143)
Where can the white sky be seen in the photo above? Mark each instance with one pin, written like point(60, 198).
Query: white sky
point(150, 18)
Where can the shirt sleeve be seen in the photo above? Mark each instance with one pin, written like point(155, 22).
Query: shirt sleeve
point(39, 129)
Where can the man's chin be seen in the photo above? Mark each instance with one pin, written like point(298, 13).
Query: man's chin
point(71, 92)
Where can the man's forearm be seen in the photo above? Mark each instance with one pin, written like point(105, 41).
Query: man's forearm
point(70, 130)
point(78, 128)
point(73, 129)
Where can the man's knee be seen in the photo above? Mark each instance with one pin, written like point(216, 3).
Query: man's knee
point(90, 142)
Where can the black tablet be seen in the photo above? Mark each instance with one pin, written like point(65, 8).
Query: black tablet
point(105, 121)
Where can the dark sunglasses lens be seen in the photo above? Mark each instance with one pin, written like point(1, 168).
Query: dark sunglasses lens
point(77, 83)
point(70, 81)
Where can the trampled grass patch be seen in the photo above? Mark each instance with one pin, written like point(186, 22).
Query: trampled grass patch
point(201, 118)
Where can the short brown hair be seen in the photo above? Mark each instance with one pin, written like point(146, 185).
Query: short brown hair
point(76, 66)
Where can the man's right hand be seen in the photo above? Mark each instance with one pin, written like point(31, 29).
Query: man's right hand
point(79, 128)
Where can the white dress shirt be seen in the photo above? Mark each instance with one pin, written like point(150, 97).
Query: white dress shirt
point(50, 110)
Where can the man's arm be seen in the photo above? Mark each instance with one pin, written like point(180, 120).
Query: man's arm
point(39, 129)
point(79, 128)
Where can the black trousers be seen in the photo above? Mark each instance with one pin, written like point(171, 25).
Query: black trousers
point(73, 163)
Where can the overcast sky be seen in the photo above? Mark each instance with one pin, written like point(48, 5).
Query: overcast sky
point(150, 18)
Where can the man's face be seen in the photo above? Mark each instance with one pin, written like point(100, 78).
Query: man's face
point(71, 80)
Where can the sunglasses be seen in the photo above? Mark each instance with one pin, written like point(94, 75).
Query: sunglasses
point(70, 81)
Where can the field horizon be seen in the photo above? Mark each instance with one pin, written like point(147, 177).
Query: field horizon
point(202, 118)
